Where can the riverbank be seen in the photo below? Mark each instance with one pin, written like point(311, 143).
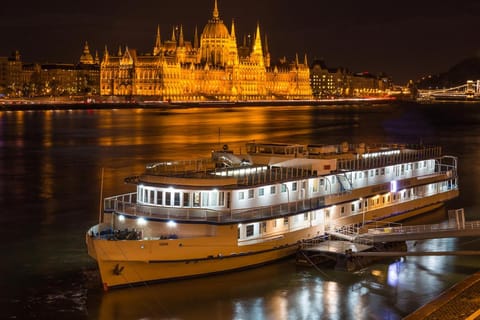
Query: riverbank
point(462, 302)
point(66, 104)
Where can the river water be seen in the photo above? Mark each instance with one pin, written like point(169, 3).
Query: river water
point(50, 177)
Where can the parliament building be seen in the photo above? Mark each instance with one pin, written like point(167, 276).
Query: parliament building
point(212, 67)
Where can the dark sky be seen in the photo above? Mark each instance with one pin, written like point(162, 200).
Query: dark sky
point(405, 39)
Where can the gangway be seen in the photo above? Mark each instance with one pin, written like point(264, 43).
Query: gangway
point(456, 227)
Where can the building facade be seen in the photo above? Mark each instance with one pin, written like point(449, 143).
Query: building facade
point(329, 83)
point(212, 67)
point(19, 79)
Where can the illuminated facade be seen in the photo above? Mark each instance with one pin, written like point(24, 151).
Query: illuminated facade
point(213, 67)
point(339, 82)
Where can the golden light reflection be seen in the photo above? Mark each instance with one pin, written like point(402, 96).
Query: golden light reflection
point(278, 306)
point(47, 129)
point(331, 297)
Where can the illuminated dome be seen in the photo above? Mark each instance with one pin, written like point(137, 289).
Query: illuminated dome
point(215, 27)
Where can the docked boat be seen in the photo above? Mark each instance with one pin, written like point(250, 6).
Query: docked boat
point(232, 211)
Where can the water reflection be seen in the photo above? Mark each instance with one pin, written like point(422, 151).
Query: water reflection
point(50, 166)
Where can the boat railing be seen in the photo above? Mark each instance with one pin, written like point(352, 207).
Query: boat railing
point(385, 160)
point(448, 226)
point(125, 204)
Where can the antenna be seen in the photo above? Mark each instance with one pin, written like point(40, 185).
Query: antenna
point(101, 199)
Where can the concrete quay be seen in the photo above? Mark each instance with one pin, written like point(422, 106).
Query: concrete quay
point(462, 302)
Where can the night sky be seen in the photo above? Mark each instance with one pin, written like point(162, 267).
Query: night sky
point(405, 39)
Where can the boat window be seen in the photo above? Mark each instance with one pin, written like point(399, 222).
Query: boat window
point(221, 199)
point(285, 221)
point(315, 185)
point(168, 198)
point(321, 182)
point(353, 207)
point(261, 192)
point(342, 211)
point(249, 230)
point(186, 199)
point(159, 197)
point(205, 199)
point(196, 199)
point(145, 195)
point(305, 216)
point(250, 193)
point(263, 227)
point(382, 172)
point(176, 199)
point(213, 199)
point(284, 188)
point(272, 190)
point(238, 233)
point(152, 197)
point(241, 195)
point(294, 186)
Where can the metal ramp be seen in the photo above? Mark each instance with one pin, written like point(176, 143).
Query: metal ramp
point(455, 227)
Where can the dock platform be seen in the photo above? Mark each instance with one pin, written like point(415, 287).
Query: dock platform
point(343, 255)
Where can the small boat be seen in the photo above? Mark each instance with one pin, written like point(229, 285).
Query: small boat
point(232, 211)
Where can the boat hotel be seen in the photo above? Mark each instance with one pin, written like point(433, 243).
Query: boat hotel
point(233, 211)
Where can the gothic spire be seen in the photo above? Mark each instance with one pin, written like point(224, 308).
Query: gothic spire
point(120, 51)
point(216, 15)
point(195, 39)
point(305, 61)
point(258, 40)
point(266, 44)
point(158, 42)
point(232, 32)
point(106, 55)
point(174, 38)
point(181, 42)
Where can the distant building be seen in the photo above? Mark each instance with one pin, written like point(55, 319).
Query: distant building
point(212, 67)
point(51, 79)
point(328, 82)
point(339, 82)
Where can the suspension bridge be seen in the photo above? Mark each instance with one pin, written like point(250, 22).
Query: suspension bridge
point(469, 91)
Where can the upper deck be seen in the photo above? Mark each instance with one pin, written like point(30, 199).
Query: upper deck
point(266, 163)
